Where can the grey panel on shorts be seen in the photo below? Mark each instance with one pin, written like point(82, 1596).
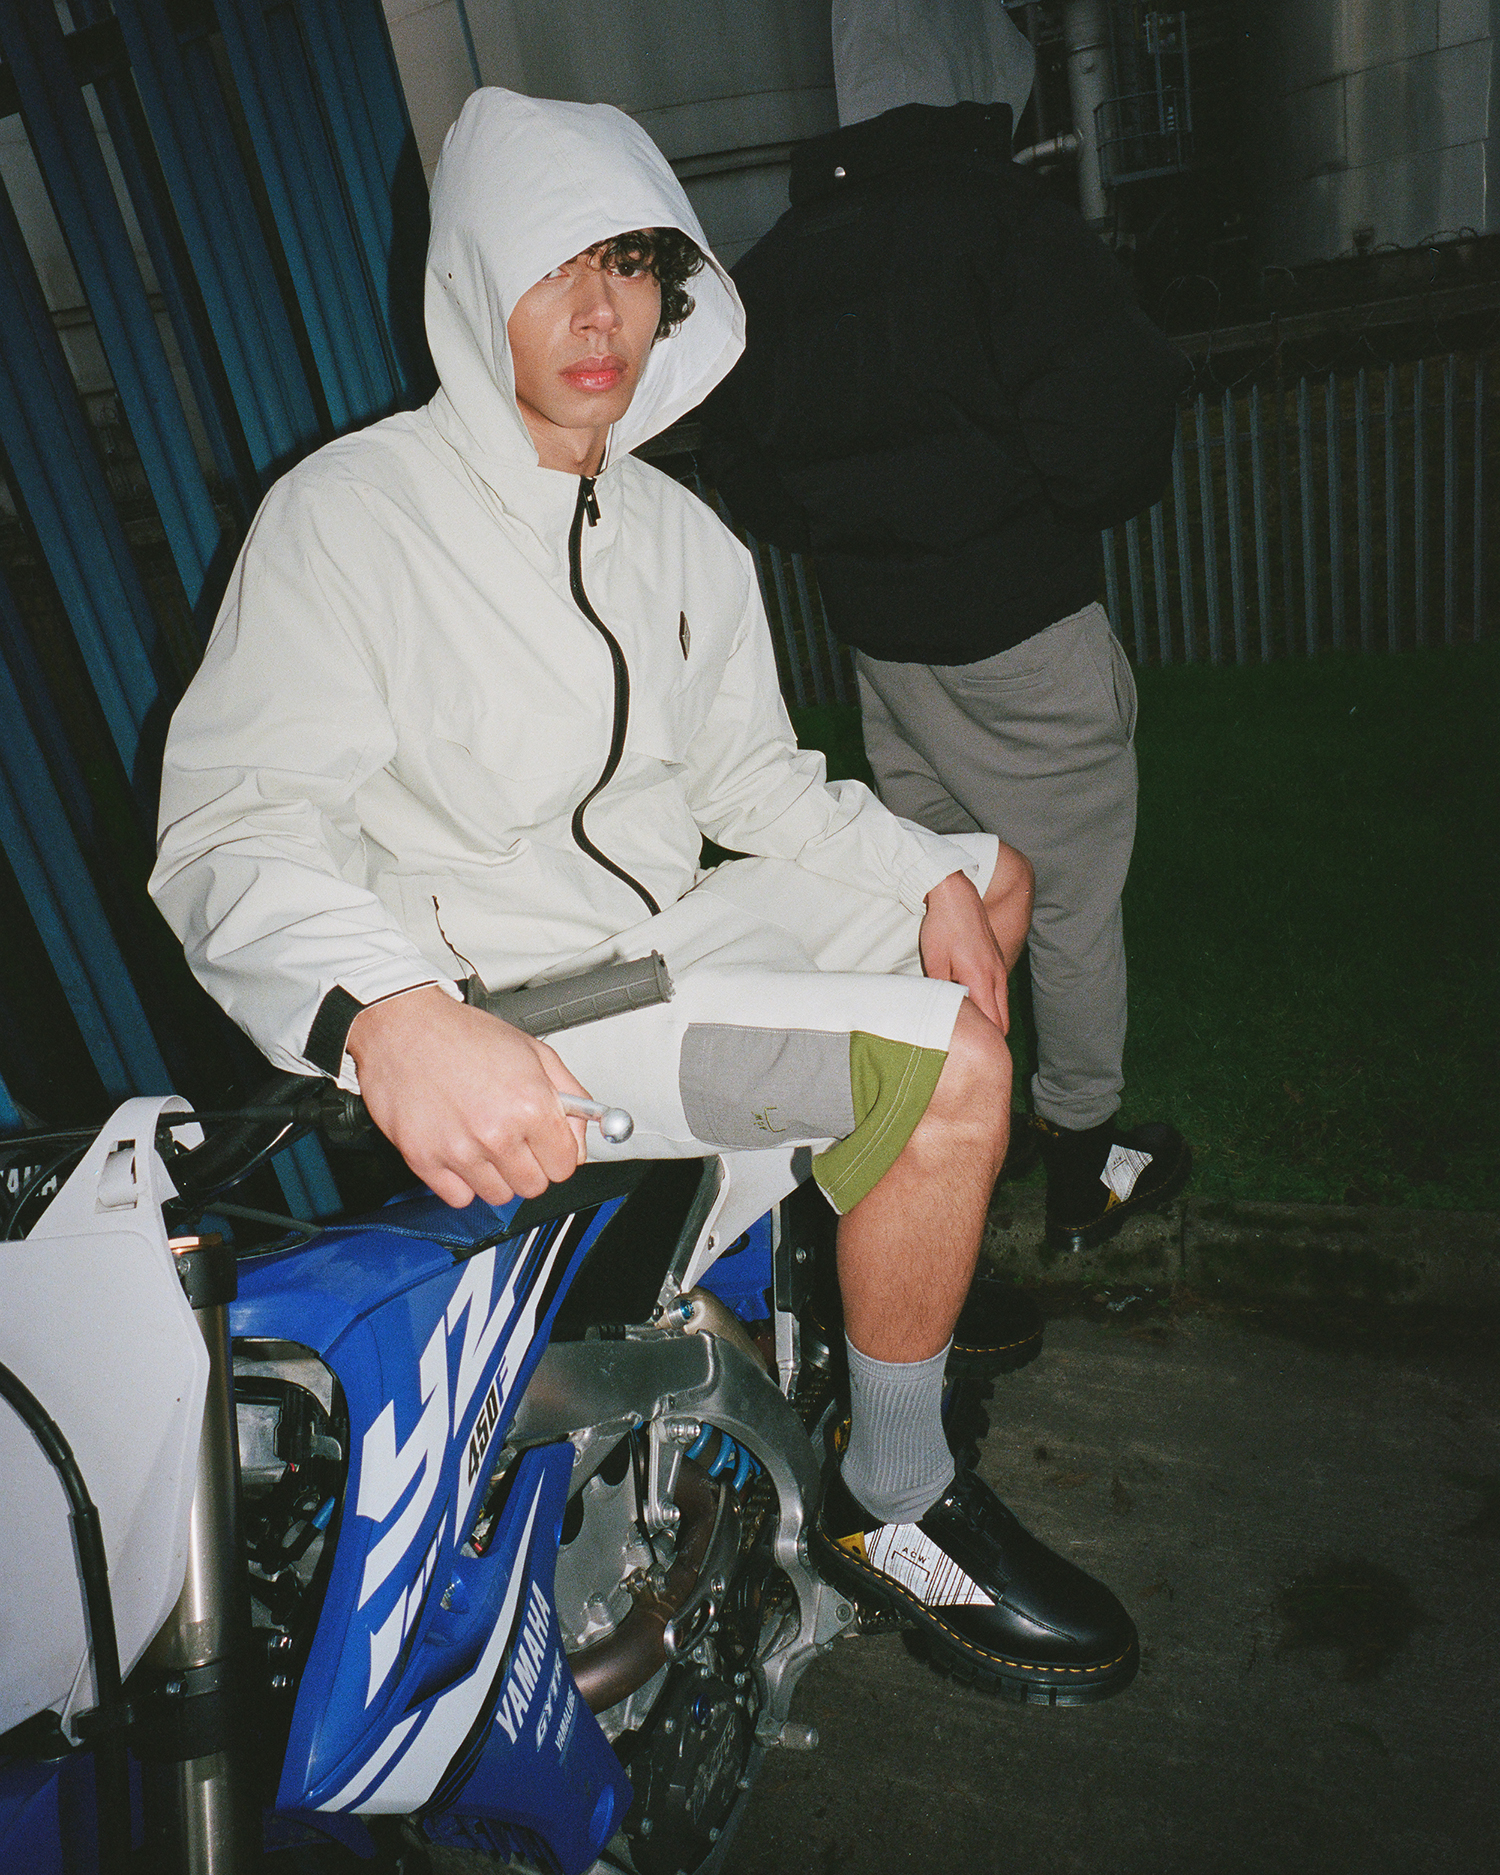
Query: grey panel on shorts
point(748, 1087)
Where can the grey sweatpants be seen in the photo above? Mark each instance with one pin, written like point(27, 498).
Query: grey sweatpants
point(1035, 745)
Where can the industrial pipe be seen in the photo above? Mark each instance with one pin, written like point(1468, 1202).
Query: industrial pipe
point(1086, 36)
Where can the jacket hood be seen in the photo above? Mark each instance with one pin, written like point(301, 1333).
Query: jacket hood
point(522, 185)
point(892, 52)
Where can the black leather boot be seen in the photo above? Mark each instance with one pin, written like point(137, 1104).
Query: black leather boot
point(1100, 1176)
point(991, 1605)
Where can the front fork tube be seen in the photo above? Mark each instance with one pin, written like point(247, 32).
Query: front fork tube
point(199, 1813)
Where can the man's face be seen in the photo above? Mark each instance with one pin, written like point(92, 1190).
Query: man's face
point(579, 341)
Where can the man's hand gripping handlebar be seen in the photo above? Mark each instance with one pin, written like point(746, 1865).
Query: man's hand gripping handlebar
point(485, 1108)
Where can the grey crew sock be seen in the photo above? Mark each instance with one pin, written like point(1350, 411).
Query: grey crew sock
point(898, 1464)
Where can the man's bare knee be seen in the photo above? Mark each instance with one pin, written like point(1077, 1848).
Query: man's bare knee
point(1013, 874)
point(974, 1088)
point(1008, 901)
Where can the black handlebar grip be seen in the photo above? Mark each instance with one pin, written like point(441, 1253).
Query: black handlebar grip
point(548, 1008)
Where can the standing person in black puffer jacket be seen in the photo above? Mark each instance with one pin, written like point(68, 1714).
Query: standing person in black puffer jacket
point(947, 392)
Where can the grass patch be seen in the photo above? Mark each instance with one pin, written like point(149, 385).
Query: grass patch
point(1312, 922)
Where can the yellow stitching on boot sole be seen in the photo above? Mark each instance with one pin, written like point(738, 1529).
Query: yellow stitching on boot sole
point(890, 1584)
point(993, 1347)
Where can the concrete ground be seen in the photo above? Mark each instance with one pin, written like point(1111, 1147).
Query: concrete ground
point(1307, 1532)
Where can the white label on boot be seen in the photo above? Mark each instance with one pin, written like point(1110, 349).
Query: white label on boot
point(901, 1551)
point(1122, 1168)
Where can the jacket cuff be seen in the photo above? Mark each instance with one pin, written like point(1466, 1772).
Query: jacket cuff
point(919, 878)
point(325, 1047)
point(330, 1030)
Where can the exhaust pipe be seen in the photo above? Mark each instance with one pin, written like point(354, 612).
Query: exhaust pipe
point(617, 1666)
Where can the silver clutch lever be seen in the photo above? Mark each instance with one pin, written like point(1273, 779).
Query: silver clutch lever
point(614, 1122)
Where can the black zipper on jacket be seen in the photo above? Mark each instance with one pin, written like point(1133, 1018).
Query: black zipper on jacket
point(588, 505)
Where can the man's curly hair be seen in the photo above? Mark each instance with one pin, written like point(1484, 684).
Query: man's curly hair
point(670, 255)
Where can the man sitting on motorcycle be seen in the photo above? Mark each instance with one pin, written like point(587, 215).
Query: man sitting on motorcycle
point(482, 682)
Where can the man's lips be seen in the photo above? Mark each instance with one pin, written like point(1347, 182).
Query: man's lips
point(595, 374)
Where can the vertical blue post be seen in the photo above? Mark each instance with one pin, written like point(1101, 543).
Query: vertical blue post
point(306, 1182)
point(1419, 499)
point(1258, 508)
point(1305, 489)
point(216, 212)
point(301, 180)
point(1334, 426)
point(1159, 582)
point(1362, 497)
point(39, 841)
point(1392, 517)
point(359, 90)
point(1184, 548)
point(1235, 517)
point(1450, 501)
point(67, 152)
point(140, 168)
point(56, 473)
point(1210, 525)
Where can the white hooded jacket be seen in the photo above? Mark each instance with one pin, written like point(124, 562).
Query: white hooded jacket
point(372, 781)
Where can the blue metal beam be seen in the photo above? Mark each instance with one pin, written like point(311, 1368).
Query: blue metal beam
point(72, 165)
point(57, 476)
point(44, 855)
point(301, 177)
point(355, 73)
point(216, 212)
point(130, 136)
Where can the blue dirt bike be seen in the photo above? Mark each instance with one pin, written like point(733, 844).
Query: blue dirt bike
point(483, 1528)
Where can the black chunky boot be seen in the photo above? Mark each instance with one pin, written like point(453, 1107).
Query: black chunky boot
point(990, 1604)
point(1100, 1176)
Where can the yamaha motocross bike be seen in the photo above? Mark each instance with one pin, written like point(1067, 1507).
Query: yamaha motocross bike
point(421, 1531)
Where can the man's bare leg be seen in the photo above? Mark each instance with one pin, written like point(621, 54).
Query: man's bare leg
point(896, 1525)
point(907, 1250)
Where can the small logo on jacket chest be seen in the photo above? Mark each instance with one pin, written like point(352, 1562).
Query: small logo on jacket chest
point(684, 632)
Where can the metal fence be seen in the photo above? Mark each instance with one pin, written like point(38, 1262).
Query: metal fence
point(1337, 510)
point(814, 666)
point(1342, 510)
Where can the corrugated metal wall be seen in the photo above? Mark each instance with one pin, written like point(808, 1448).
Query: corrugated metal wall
point(211, 282)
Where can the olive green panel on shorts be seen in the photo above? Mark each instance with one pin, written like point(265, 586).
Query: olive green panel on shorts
point(745, 1087)
point(891, 1084)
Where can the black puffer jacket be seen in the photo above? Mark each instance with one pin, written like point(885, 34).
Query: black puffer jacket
point(948, 389)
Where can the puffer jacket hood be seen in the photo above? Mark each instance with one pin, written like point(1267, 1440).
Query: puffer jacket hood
point(892, 52)
point(524, 184)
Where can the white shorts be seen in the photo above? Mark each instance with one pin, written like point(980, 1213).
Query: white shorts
point(800, 1018)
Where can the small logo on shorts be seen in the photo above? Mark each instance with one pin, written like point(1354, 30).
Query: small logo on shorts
point(766, 1119)
point(684, 632)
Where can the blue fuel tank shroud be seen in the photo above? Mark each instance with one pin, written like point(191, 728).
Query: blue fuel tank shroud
point(428, 1655)
point(742, 1277)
